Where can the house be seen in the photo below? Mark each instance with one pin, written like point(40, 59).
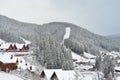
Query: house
point(22, 47)
point(7, 67)
point(46, 74)
point(10, 48)
point(5, 46)
point(8, 62)
point(57, 74)
point(14, 47)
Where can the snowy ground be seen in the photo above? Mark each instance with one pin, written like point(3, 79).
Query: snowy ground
point(83, 59)
point(78, 57)
point(90, 75)
point(6, 76)
point(89, 56)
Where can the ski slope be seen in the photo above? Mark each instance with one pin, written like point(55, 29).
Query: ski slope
point(67, 33)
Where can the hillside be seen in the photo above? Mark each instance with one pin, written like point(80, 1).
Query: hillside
point(80, 39)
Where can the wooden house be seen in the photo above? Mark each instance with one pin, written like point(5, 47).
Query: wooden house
point(22, 47)
point(10, 48)
point(7, 67)
point(7, 63)
point(14, 47)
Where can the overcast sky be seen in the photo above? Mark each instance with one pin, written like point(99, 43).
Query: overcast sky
point(99, 16)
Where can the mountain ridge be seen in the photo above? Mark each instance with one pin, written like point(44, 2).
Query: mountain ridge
point(115, 36)
point(80, 39)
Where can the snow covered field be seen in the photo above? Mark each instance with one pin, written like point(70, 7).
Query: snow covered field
point(6, 76)
point(83, 59)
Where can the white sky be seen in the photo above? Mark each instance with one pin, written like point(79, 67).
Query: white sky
point(99, 16)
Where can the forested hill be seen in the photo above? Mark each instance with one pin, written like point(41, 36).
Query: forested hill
point(80, 39)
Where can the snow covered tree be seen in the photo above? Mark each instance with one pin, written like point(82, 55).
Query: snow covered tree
point(51, 53)
point(106, 65)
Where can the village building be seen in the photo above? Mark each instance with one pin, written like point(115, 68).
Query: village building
point(57, 74)
point(14, 47)
point(8, 63)
point(5, 47)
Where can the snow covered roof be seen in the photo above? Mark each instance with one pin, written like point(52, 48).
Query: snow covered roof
point(118, 61)
point(6, 76)
point(19, 46)
point(67, 75)
point(5, 45)
point(90, 75)
point(117, 68)
point(48, 73)
point(88, 55)
point(6, 58)
point(85, 67)
point(61, 74)
point(78, 57)
point(81, 58)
